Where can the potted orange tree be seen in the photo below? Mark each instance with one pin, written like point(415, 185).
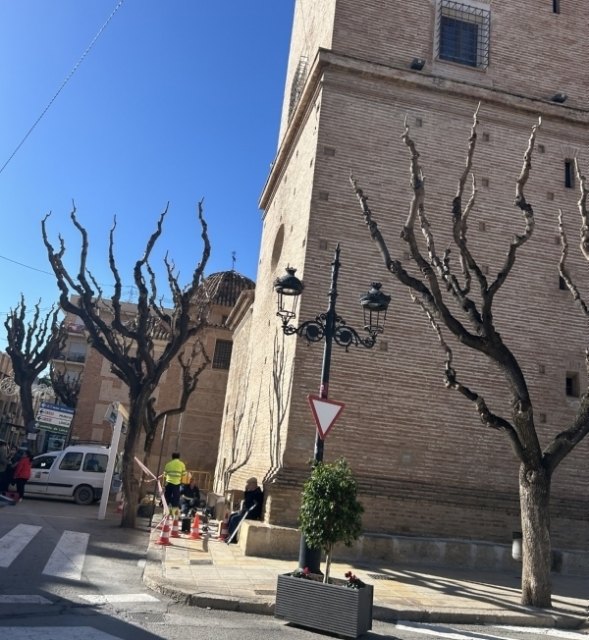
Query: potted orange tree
point(330, 514)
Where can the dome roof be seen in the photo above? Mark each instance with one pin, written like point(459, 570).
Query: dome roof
point(224, 287)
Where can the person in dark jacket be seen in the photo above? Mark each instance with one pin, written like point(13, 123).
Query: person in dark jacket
point(189, 497)
point(251, 507)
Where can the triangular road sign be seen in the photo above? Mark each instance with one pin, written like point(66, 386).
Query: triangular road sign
point(325, 412)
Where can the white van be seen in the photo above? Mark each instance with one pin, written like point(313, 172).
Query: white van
point(76, 472)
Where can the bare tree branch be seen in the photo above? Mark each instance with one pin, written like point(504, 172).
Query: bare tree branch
point(32, 344)
point(126, 336)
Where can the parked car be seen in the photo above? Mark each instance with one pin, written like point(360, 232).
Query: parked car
point(76, 472)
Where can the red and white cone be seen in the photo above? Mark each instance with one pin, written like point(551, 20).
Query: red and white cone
point(165, 533)
point(195, 530)
point(224, 528)
point(176, 526)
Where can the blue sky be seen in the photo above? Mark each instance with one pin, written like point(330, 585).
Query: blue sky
point(177, 100)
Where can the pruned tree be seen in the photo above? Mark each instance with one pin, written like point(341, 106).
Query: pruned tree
point(443, 290)
point(32, 344)
point(140, 341)
point(66, 388)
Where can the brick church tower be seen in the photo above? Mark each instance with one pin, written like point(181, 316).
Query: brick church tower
point(356, 72)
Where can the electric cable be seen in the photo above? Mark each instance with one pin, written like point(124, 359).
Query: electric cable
point(63, 84)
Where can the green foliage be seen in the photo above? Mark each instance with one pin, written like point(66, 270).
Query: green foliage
point(330, 511)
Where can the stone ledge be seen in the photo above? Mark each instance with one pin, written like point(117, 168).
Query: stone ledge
point(271, 541)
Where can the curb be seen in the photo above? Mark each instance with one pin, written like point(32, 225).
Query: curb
point(154, 580)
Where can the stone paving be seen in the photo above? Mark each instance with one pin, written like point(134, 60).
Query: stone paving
point(223, 577)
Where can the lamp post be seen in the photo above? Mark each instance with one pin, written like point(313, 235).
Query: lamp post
point(332, 328)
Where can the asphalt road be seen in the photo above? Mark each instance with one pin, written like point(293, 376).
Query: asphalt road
point(65, 575)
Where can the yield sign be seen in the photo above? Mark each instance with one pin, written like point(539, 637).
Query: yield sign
point(325, 412)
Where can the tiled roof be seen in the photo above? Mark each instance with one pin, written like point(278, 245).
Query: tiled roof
point(224, 287)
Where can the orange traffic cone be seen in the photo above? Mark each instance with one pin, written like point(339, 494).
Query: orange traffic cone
point(195, 531)
point(165, 534)
point(175, 526)
point(224, 528)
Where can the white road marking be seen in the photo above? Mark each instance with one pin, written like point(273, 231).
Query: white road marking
point(141, 563)
point(56, 633)
point(440, 631)
point(119, 597)
point(15, 541)
point(550, 633)
point(17, 599)
point(67, 559)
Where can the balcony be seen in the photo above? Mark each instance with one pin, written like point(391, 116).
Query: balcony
point(71, 357)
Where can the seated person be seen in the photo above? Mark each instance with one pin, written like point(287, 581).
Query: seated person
point(189, 497)
point(251, 507)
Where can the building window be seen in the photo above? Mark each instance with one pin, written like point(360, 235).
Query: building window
point(572, 385)
point(222, 356)
point(555, 6)
point(463, 33)
point(569, 174)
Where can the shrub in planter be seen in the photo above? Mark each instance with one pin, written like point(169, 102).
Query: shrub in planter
point(330, 511)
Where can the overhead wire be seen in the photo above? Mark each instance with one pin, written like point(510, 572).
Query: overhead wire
point(63, 84)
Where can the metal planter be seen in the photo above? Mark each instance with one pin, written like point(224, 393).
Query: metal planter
point(334, 608)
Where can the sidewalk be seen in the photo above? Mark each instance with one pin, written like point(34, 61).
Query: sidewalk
point(223, 578)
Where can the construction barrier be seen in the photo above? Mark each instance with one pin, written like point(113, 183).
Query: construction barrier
point(164, 538)
point(195, 531)
point(175, 526)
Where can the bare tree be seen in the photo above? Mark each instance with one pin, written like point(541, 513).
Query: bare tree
point(66, 388)
point(32, 344)
point(444, 294)
point(140, 349)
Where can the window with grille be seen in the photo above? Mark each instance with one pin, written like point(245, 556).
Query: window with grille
point(222, 355)
point(463, 33)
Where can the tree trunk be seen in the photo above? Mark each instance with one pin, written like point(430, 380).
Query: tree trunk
point(327, 563)
point(534, 491)
point(26, 401)
point(130, 483)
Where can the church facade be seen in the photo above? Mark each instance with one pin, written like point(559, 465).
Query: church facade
point(356, 74)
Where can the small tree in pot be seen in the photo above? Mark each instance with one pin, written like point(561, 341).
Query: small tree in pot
point(330, 511)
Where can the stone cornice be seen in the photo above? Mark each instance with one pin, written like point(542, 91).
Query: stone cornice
point(326, 59)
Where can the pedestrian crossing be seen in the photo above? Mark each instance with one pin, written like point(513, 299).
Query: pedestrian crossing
point(66, 560)
point(13, 543)
point(65, 557)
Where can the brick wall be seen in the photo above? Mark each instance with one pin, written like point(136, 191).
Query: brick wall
point(424, 462)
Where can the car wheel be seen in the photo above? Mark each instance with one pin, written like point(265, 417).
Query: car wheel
point(84, 495)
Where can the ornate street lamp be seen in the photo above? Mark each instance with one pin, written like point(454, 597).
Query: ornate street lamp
point(332, 328)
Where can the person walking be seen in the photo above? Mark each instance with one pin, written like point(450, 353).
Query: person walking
point(173, 472)
point(22, 473)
